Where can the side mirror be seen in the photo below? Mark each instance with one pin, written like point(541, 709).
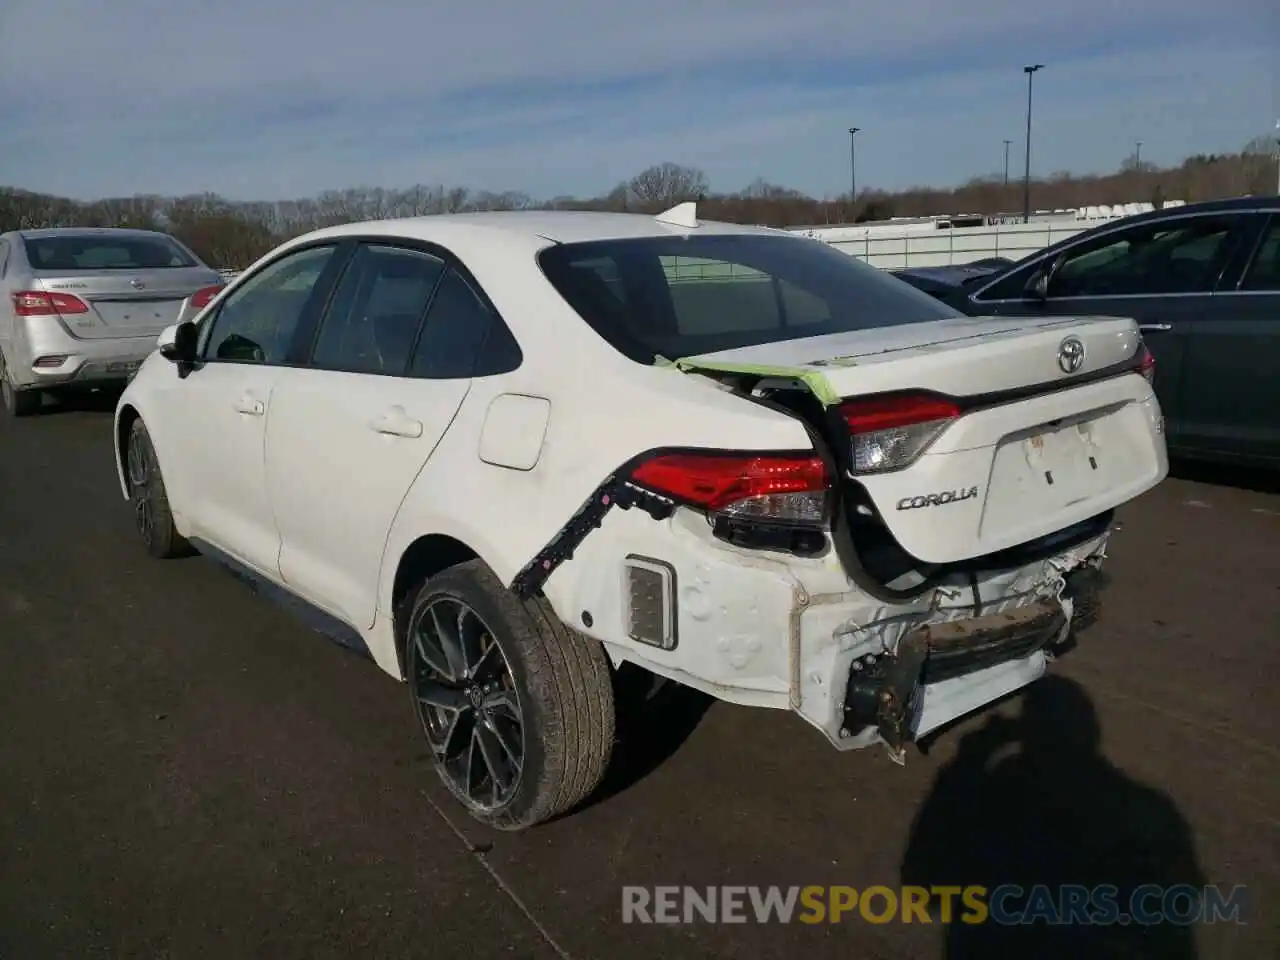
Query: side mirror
point(1037, 287)
point(178, 343)
point(1038, 283)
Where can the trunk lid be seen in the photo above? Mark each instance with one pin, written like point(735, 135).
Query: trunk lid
point(127, 303)
point(1038, 444)
point(962, 357)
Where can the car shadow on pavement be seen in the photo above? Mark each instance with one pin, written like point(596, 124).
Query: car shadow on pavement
point(654, 719)
point(1031, 801)
point(1226, 475)
point(80, 401)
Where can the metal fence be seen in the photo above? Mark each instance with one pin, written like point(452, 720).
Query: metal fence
point(891, 250)
point(937, 248)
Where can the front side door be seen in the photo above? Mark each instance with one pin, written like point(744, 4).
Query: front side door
point(220, 410)
point(1230, 390)
point(1162, 273)
point(349, 432)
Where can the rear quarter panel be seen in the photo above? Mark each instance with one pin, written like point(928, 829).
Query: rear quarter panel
point(604, 411)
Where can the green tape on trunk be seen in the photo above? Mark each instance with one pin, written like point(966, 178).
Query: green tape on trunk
point(813, 379)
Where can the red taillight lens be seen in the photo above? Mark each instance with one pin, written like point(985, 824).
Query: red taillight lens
point(779, 488)
point(38, 303)
point(204, 296)
point(1146, 364)
point(889, 432)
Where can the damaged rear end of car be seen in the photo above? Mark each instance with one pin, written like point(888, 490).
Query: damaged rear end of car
point(940, 541)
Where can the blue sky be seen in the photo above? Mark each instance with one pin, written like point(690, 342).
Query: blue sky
point(285, 98)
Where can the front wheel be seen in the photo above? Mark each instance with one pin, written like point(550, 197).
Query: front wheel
point(517, 709)
point(152, 517)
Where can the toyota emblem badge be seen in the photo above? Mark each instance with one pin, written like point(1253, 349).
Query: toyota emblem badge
point(1071, 354)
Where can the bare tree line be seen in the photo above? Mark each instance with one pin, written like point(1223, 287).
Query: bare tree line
point(230, 233)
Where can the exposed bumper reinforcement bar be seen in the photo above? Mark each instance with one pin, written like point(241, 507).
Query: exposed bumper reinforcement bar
point(614, 492)
point(881, 688)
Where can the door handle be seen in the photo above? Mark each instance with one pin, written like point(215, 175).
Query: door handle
point(250, 406)
point(396, 423)
point(1155, 326)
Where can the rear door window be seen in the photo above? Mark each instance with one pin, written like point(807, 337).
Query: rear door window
point(457, 325)
point(1263, 274)
point(377, 308)
point(1177, 256)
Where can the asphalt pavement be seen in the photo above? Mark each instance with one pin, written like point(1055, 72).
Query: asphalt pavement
point(188, 771)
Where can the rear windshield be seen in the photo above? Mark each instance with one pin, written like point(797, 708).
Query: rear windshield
point(105, 253)
point(681, 296)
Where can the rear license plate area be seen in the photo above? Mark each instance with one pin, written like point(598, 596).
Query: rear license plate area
point(138, 312)
point(1065, 456)
point(123, 366)
point(1040, 471)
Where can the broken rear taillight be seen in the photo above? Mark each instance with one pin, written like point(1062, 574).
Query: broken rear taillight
point(889, 432)
point(777, 488)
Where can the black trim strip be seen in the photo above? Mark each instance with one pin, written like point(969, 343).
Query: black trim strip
point(619, 491)
point(997, 398)
point(614, 492)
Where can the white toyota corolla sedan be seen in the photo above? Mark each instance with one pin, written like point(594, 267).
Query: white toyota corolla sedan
point(506, 453)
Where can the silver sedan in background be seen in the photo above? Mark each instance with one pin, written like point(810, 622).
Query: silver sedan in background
point(82, 307)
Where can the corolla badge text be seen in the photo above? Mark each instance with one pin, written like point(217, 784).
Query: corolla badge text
point(937, 499)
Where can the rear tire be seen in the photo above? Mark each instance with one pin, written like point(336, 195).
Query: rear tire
point(517, 708)
point(17, 403)
point(151, 514)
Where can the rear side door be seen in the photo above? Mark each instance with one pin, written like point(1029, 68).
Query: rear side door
point(391, 363)
point(1230, 388)
point(1162, 273)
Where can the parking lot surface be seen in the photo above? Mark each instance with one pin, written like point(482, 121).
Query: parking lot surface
point(188, 771)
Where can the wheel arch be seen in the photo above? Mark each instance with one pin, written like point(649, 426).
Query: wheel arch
point(424, 557)
point(126, 416)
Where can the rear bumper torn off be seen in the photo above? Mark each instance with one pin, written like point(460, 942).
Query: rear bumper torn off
point(888, 692)
point(761, 629)
point(895, 673)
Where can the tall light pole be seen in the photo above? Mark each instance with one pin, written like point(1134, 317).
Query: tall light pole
point(1026, 177)
point(1278, 157)
point(853, 165)
point(1006, 162)
point(1137, 155)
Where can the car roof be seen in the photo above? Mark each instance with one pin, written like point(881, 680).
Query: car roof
point(42, 232)
point(538, 226)
point(1205, 206)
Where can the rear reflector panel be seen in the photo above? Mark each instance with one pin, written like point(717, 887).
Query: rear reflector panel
point(650, 602)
